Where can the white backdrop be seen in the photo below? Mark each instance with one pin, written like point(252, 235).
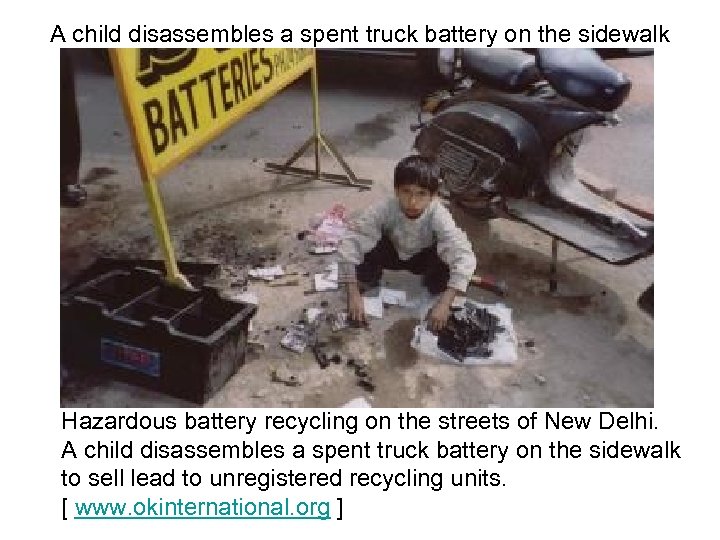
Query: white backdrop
point(542, 498)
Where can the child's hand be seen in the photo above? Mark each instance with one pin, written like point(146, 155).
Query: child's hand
point(440, 312)
point(438, 315)
point(356, 305)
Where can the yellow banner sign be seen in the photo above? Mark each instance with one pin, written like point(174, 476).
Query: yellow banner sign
point(177, 100)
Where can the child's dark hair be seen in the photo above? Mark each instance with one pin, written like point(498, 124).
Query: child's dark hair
point(418, 171)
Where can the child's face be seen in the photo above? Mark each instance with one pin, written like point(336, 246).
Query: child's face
point(413, 199)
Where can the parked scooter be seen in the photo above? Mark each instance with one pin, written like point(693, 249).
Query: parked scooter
point(506, 137)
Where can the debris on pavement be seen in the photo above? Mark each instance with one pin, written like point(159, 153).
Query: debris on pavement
point(373, 306)
point(267, 274)
point(322, 249)
point(357, 403)
point(253, 344)
point(502, 350)
point(357, 363)
point(247, 297)
point(361, 371)
point(328, 280)
point(339, 321)
point(288, 283)
point(327, 229)
point(366, 383)
point(296, 338)
point(284, 376)
point(321, 357)
point(325, 356)
point(393, 297)
point(469, 332)
point(313, 314)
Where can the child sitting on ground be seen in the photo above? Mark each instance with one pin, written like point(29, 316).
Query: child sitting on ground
point(411, 231)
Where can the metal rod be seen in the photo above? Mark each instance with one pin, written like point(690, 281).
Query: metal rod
point(553, 265)
point(325, 177)
point(316, 115)
point(352, 179)
point(318, 141)
point(299, 152)
point(157, 212)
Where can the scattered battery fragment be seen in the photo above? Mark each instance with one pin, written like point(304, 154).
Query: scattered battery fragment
point(475, 334)
point(469, 332)
point(267, 274)
point(393, 297)
point(327, 229)
point(328, 280)
point(339, 321)
point(296, 338)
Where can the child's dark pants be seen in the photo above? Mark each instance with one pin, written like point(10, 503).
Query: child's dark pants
point(425, 263)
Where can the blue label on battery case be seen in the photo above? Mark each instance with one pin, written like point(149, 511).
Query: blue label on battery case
point(129, 357)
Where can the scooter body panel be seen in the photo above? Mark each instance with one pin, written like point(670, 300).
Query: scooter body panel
point(580, 233)
point(550, 114)
point(483, 149)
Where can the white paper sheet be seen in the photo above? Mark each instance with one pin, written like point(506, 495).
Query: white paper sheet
point(373, 306)
point(328, 280)
point(268, 274)
point(393, 297)
point(248, 297)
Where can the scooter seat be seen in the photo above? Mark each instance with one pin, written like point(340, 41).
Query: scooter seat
point(552, 115)
point(506, 69)
point(581, 75)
